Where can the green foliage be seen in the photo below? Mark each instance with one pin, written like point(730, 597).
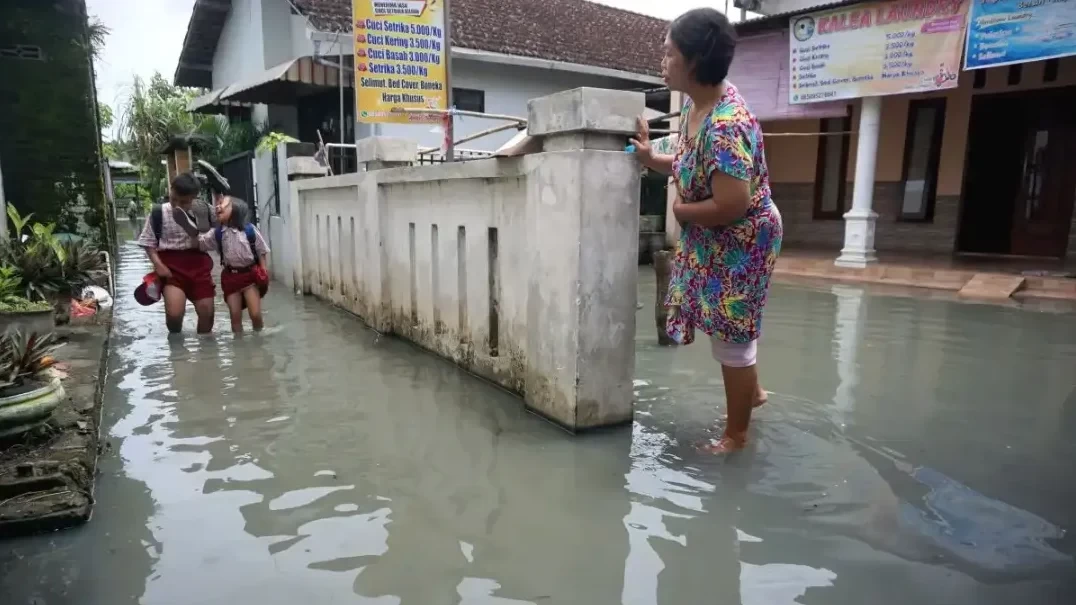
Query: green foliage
point(25, 356)
point(96, 34)
point(41, 271)
point(104, 116)
point(11, 299)
point(21, 305)
point(127, 191)
point(272, 140)
point(81, 264)
point(10, 285)
point(44, 265)
point(156, 112)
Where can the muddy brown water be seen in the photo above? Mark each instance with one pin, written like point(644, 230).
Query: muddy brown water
point(913, 451)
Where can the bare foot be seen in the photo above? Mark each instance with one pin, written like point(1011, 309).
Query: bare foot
point(761, 397)
point(726, 445)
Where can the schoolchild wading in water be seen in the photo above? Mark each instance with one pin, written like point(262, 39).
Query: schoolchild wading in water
point(243, 251)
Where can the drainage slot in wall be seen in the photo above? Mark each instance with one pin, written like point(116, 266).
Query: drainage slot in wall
point(340, 253)
point(414, 274)
point(461, 279)
point(435, 273)
point(494, 294)
point(354, 259)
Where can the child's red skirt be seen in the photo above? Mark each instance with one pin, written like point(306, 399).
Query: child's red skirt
point(237, 280)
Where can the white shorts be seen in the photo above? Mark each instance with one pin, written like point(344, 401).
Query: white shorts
point(734, 355)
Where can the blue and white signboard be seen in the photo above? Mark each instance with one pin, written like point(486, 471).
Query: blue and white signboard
point(1003, 32)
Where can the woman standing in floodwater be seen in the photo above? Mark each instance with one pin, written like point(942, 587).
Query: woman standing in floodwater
point(732, 231)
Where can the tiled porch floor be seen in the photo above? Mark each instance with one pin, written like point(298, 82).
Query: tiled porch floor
point(1033, 278)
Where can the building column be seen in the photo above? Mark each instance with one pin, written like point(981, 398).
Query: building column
point(859, 222)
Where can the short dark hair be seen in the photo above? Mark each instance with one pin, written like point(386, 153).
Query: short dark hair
point(240, 213)
point(186, 183)
point(708, 42)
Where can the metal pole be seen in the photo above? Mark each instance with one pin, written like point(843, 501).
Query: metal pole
point(450, 145)
point(340, 79)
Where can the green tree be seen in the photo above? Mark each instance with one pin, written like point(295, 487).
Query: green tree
point(156, 112)
point(106, 118)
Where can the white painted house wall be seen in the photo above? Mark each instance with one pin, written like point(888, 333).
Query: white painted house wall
point(301, 45)
point(240, 52)
point(507, 89)
point(276, 32)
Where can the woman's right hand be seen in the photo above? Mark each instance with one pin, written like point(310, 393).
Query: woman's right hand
point(643, 151)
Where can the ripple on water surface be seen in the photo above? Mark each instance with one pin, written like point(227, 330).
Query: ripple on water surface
point(911, 451)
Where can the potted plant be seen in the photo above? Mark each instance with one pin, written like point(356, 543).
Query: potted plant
point(28, 395)
point(19, 313)
point(83, 265)
point(38, 256)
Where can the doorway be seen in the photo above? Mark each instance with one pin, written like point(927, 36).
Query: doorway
point(1018, 191)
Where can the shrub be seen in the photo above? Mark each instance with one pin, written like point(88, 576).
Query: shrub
point(82, 263)
point(25, 356)
point(46, 266)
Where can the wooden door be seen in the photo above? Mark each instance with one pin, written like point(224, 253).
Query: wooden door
point(1043, 211)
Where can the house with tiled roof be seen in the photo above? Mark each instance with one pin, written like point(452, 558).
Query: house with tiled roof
point(276, 61)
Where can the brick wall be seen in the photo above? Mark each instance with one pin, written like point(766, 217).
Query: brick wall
point(796, 201)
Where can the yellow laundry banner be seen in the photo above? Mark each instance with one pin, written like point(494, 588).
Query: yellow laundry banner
point(400, 61)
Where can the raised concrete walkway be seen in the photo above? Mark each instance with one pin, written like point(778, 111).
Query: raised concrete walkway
point(971, 278)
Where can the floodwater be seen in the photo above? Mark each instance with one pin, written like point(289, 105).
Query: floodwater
point(913, 451)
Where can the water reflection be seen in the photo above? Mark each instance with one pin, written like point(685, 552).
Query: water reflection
point(911, 451)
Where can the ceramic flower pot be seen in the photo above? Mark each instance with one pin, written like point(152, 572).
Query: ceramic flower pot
point(26, 407)
point(29, 322)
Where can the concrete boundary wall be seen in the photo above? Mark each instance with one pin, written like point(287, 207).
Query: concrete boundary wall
point(521, 270)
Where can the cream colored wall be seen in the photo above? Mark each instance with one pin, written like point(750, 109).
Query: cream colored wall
point(792, 159)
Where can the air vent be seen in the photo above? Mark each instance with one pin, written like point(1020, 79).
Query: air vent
point(22, 51)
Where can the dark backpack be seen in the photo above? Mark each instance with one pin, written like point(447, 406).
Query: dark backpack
point(156, 220)
point(251, 239)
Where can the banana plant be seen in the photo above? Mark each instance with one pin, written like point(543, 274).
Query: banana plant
point(17, 221)
point(44, 237)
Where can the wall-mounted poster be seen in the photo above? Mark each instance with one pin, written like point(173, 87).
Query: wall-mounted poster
point(1003, 32)
point(399, 60)
point(878, 48)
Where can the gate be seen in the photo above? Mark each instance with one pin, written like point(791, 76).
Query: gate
point(239, 170)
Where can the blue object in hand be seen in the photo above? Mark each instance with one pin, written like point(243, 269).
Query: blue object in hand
point(630, 149)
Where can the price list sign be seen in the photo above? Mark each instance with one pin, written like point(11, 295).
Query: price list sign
point(881, 48)
point(399, 60)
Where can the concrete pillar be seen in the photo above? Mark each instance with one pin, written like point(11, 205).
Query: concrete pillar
point(583, 207)
point(672, 226)
point(376, 153)
point(859, 222)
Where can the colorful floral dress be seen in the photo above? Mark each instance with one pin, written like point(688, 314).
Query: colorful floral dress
point(721, 275)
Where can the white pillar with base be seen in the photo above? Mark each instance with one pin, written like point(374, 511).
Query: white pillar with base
point(859, 222)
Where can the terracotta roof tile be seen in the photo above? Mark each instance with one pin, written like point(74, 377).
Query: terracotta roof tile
point(573, 31)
